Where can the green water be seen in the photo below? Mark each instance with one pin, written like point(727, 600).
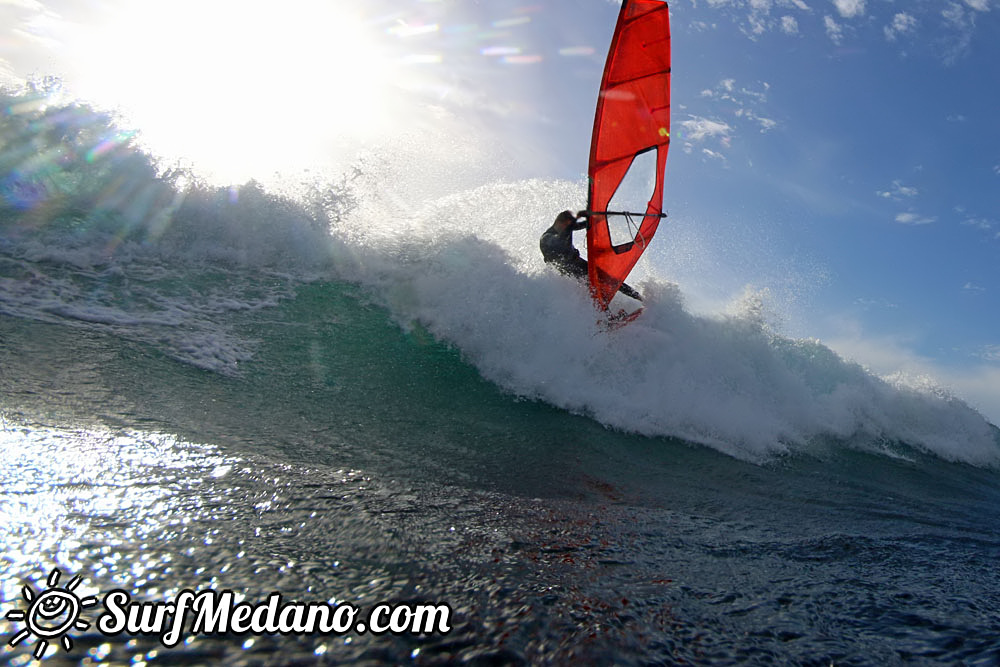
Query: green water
point(227, 389)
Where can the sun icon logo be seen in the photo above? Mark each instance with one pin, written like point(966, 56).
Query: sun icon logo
point(51, 614)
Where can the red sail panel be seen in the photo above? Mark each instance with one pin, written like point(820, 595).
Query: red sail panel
point(633, 116)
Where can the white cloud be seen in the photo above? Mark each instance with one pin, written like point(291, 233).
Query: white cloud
point(953, 21)
point(868, 304)
point(740, 103)
point(990, 353)
point(727, 90)
point(898, 191)
point(962, 23)
point(987, 225)
point(700, 132)
point(850, 8)
point(979, 223)
point(757, 17)
point(766, 123)
point(913, 219)
point(833, 29)
point(901, 23)
point(700, 129)
point(973, 287)
point(713, 154)
point(955, 15)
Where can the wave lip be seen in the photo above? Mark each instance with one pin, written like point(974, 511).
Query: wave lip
point(108, 239)
point(728, 381)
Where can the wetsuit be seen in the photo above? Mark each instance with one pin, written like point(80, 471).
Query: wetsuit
point(558, 250)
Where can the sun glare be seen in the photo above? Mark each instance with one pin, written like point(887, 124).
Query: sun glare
point(241, 88)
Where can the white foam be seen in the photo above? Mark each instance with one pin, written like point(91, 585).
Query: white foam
point(467, 267)
point(183, 322)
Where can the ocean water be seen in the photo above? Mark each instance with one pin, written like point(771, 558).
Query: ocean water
point(345, 392)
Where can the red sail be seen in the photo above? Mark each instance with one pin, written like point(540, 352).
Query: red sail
point(633, 116)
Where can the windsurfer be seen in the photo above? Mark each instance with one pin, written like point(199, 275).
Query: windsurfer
point(558, 249)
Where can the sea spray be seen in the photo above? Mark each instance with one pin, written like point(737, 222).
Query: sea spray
point(730, 380)
point(114, 243)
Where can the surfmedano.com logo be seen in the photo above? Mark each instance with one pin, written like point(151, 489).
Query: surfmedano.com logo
point(52, 613)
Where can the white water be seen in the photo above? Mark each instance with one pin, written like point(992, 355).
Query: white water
point(467, 267)
point(461, 258)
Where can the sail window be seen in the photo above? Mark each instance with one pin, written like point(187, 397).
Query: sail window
point(633, 195)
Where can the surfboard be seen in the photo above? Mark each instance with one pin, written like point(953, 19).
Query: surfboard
point(619, 319)
point(632, 117)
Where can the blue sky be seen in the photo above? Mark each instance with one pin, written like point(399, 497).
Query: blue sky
point(844, 154)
